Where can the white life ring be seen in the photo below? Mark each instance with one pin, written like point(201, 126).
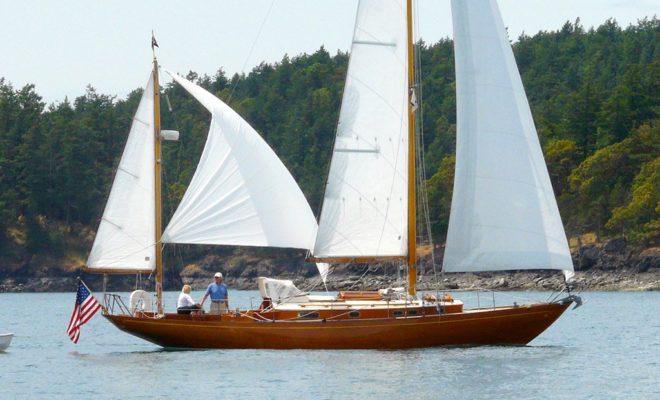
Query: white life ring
point(140, 301)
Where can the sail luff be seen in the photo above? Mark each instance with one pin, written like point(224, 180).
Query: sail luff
point(504, 215)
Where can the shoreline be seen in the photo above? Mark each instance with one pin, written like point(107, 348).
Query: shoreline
point(608, 266)
point(584, 281)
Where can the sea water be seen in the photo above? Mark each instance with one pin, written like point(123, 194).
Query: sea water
point(607, 349)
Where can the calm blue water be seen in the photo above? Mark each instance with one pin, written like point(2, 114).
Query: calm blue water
point(607, 349)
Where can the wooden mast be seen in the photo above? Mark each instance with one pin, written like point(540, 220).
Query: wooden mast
point(412, 221)
point(157, 186)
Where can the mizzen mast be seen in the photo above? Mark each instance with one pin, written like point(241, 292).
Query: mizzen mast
point(157, 186)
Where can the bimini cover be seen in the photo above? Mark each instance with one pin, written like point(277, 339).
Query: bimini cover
point(279, 290)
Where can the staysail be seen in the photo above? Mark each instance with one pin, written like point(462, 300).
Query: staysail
point(365, 205)
point(125, 239)
point(241, 193)
point(504, 215)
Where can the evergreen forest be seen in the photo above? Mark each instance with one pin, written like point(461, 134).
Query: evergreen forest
point(594, 94)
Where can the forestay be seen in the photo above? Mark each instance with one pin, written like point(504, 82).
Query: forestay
point(241, 193)
point(365, 205)
point(125, 239)
point(504, 214)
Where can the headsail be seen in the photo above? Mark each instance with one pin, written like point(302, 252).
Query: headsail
point(365, 205)
point(504, 215)
point(241, 193)
point(125, 239)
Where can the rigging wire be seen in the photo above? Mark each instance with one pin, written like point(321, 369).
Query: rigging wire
point(254, 42)
point(176, 170)
point(419, 139)
point(367, 269)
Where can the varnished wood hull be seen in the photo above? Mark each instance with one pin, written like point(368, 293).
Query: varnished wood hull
point(500, 326)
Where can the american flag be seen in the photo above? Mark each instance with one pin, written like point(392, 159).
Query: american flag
point(85, 308)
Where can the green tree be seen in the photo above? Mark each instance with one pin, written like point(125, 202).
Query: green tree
point(561, 156)
point(593, 94)
point(601, 182)
point(439, 190)
point(640, 216)
point(630, 104)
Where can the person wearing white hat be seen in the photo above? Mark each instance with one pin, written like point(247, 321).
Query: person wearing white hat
point(219, 295)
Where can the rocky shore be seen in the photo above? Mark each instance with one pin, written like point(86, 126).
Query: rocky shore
point(519, 281)
point(610, 266)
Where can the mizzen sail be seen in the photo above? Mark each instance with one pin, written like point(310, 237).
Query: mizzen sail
point(125, 239)
point(241, 193)
point(504, 215)
point(365, 205)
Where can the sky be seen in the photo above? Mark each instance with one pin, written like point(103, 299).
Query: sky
point(63, 46)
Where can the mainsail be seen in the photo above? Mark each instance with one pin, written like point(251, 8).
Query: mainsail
point(504, 215)
point(366, 203)
point(125, 239)
point(241, 193)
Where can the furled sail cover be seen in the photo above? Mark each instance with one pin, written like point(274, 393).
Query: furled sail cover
point(241, 193)
point(126, 236)
point(280, 290)
point(365, 205)
point(503, 214)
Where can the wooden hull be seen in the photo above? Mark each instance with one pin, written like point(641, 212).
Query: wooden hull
point(494, 326)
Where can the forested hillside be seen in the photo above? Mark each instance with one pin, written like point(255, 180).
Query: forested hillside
point(594, 95)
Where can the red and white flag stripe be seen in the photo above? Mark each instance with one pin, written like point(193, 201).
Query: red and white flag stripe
point(84, 309)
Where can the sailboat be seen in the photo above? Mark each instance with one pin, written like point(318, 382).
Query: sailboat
point(504, 215)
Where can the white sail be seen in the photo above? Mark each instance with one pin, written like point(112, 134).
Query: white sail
point(241, 193)
point(126, 235)
point(504, 215)
point(324, 271)
point(365, 205)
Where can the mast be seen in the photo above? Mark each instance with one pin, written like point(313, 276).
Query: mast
point(157, 187)
point(412, 221)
